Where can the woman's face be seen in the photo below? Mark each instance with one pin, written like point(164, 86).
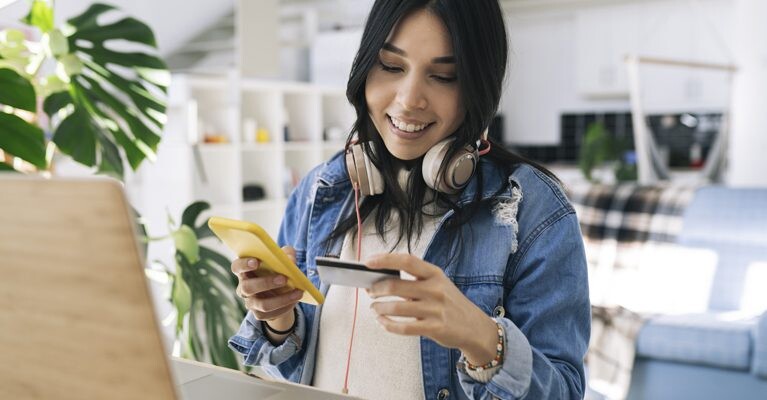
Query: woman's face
point(412, 94)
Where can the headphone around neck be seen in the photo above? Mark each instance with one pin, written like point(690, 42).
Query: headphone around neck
point(457, 173)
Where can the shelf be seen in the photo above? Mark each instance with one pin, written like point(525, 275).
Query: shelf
point(300, 146)
point(216, 147)
point(201, 82)
point(261, 147)
point(234, 106)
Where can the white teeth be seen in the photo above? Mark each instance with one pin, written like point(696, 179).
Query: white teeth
point(406, 127)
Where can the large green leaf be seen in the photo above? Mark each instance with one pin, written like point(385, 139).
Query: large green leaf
point(16, 91)
point(190, 216)
point(126, 29)
point(87, 20)
point(218, 264)
point(55, 102)
point(111, 163)
point(111, 88)
point(6, 168)
point(40, 15)
point(76, 136)
point(145, 140)
point(22, 139)
point(181, 296)
point(215, 312)
point(186, 243)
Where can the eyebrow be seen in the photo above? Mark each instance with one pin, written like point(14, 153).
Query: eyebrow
point(436, 60)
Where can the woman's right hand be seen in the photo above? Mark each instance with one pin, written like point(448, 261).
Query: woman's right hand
point(261, 293)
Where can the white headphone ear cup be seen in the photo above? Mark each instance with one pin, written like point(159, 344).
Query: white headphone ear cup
point(431, 163)
point(362, 173)
point(461, 168)
point(351, 169)
point(375, 179)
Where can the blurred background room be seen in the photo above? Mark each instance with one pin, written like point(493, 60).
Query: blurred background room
point(651, 112)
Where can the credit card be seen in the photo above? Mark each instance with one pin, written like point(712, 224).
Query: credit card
point(350, 273)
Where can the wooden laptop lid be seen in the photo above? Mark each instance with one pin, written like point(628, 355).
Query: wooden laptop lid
point(76, 318)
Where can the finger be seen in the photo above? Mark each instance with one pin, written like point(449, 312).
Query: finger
point(245, 267)
point(253, 286)
point(407, 328)
point(269, 304)
point(413, 290)
point(291, 252)
point(414, 309)
point(403, 262)
point(265, 316)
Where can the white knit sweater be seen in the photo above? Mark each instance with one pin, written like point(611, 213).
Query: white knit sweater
point(383, 365)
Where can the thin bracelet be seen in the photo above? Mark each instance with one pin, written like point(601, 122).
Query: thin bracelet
point(498, 353)
point(287, 331)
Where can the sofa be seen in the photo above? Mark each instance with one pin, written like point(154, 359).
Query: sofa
point(692, 262)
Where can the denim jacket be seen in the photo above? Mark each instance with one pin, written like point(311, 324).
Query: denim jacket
point(520, 259)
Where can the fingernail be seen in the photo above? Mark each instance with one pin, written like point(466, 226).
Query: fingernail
point(280, 280)
point(252, 263)
point(297, 295)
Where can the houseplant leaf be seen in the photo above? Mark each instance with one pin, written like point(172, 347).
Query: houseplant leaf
point(77, 136)
point(17, 91)
point(40, 15)
point(110, 87)
point(181, 297)
point(190, 215)
point(186, 243)
point(22, 139)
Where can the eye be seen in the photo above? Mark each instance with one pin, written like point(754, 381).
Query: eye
point(389, 68)
point(444, 79)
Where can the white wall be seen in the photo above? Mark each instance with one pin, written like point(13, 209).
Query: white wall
point(173, 21)
point(747, 162)
point(558, 53)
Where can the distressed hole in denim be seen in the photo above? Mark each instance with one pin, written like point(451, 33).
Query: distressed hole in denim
point(505, 212)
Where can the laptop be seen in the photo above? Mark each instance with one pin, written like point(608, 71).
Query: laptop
point(76, 316)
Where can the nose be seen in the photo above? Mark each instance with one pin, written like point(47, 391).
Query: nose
point(411, 95)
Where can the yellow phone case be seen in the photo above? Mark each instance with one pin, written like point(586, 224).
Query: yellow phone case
point(247, 239)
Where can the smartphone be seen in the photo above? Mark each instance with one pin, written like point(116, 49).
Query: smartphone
point(247, 239)
point(350, 273)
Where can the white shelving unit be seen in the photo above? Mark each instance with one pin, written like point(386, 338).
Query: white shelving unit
point(297, 118)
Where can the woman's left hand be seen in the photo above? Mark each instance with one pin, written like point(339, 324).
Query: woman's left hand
point(440, 311)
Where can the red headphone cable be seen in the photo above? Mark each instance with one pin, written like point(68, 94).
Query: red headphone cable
point(345, 390)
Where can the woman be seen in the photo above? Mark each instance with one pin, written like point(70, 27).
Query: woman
point(494, 300)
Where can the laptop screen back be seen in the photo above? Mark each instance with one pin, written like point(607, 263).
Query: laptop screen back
point(76, 318)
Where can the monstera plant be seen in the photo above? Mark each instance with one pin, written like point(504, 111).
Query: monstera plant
point(77, 92)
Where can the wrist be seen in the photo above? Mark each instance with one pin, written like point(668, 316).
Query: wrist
point(283, 321)
point(483, 349)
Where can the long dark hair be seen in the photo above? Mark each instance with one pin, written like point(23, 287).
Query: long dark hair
point(478, 35)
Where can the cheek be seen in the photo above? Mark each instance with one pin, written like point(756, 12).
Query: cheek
point(375, 93)
point(452, 110)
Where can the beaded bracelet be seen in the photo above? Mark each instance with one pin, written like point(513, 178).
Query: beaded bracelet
point(498, 354)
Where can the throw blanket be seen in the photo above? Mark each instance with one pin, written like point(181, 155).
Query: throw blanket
point(617, 222)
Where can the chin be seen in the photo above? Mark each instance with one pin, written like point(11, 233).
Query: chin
point(405, 154)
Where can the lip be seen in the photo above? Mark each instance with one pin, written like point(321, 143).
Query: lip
point(407, 135)
point(408, 121)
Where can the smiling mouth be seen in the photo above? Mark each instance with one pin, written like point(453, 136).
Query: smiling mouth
point(407, 130)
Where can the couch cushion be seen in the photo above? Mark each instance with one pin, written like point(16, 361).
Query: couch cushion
point(716, 339)
point(732, 222)
point(760, 348)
